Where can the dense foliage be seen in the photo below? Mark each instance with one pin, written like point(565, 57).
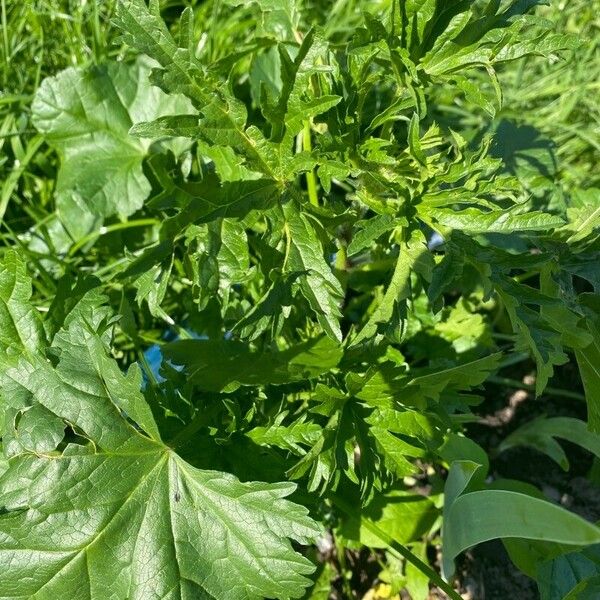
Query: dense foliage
point(260, 260)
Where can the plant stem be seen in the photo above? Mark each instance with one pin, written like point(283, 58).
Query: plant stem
point(398, 549)
point(145, 365)
point(109, 229)
point(97, 45)
point(525, 276)
point(504, 337)
point(5, 35)
point(550, 391)
point(341, 257)
point(514, 359)
point(190, 430)
point(311, 180)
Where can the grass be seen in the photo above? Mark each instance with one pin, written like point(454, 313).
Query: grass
point(38, 39)
point(556, 98)
point(560, 96)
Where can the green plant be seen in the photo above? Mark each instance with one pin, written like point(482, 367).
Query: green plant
point(283, 193)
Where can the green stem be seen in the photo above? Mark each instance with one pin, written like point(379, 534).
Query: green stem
point(5, 35)
point(514, 359)
point(109, 229)
point(311, 180)
point(146, 365)
point(341, 257)
point(525, 276)
point(97, 45)
point(504, 337)
point(9, 99)
point(201, 419)
point(549, 391)
point(114, 266)
point(398, 549)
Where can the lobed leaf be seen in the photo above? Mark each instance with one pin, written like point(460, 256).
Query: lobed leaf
point(112, 512)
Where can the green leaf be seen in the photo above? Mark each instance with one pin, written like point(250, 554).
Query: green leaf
point(152, 286)
point(463, 451)
point(271, 10)
point(403, 516)
point(534, 333)
point(540, 434)
point(296, 115)
point(217, 365)
point(480, 516)
point(144, 30)
point(372, 229)
point(414, 140)
point(130, 535)
point(21, 323)
point(33, 430)
point(584, 220)
point(293, 107)
point(493, 38)
point(165, 127)
point(322, 588)
point(266, 314)
point(318, 284)
point(462, 377)
point(208, 201)
point(472, 220)
point(115, 512)
point(563, 317)
point(475, 95)
point(413, 256)
point(588, 360)
point(223, 122)
point(383, 385)
point(345, 447)
point(565, 576)
point(588, 589)
point(288, 437)
point(234, 257)
point(73, 300)
point(343, 332)
point(86, 114)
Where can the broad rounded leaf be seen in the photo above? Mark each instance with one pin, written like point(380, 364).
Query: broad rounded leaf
point(86, 114)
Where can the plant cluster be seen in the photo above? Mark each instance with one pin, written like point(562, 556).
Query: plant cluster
point(272, 256)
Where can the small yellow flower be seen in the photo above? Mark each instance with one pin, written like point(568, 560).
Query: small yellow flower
point(382, 591)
